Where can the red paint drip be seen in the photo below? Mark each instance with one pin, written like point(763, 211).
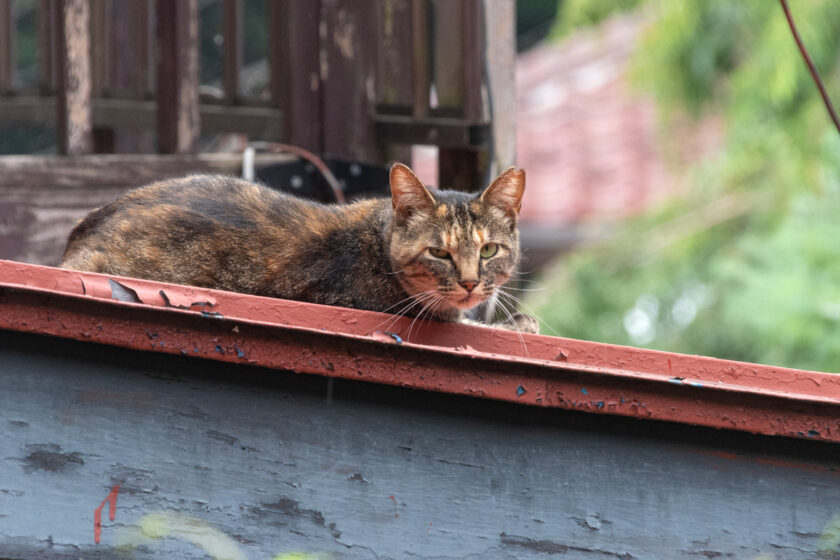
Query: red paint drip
point(111, 498)
point(395, 505)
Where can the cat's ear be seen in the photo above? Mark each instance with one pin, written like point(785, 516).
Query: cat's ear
point(505, 193)
point(408, 194)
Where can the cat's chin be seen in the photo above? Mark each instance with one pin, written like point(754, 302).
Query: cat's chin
point(467, 302)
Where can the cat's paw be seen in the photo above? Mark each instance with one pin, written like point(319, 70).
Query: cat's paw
point(521, 323)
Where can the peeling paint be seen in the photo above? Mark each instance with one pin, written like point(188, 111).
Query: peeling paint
point(446, 357)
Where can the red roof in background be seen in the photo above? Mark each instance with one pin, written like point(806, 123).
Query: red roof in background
point(452, 358)
point(589, 143)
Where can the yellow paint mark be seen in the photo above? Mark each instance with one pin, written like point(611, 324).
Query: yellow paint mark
point(161, 525)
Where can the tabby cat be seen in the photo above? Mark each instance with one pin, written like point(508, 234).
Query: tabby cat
point(439, 253)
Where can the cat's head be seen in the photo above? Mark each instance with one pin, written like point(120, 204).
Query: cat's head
point(452, 249)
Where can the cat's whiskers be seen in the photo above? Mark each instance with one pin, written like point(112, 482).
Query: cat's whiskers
point(406, 304)
point(525, 289)
point(515, 301)
point(504, 307)
point(431, 302)
point(417, 299)
point(409, 298)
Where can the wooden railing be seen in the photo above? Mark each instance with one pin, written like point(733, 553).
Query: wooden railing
point(351, 78)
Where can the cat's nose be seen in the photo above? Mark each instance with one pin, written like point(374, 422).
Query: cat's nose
point(468, 285)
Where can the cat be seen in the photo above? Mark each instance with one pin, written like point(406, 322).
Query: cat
point(430, 253)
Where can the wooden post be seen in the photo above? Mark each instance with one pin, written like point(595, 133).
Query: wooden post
point(294, 54)
point(74, 111)
point(177, 76)
point(7, 47)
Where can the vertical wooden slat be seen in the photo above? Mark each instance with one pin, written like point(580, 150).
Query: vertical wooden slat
point(48, 45)
point(459, 28)
point(233, 48)
point(144, 33)
point(127, 74)
point(100, 51)
point(394, 72)
point(449, 55)
point(474, 45)
point(295, 64)
point(349, 77)
point(394, 76)
point(7, 46)
point(501, 81)
point(421, 58)
point(74, 111)
point(177, 76)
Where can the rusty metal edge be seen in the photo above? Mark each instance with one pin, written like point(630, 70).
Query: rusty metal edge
point(355, 354)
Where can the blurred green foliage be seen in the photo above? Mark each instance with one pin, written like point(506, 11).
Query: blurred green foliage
point(746, 264)
point(573, 14)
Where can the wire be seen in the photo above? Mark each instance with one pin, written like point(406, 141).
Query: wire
point(810, 63)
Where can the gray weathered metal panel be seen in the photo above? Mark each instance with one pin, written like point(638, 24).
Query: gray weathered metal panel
point(377, 473)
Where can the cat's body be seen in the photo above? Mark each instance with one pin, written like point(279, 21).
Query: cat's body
point(225, 233)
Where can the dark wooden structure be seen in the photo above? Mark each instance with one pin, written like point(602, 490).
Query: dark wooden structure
point(180, 422)
point(348, 78)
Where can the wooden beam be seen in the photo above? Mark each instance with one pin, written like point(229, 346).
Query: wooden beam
point(110, 170)
point(7, 47)
point(74, 92)
point(233, 48)
point(262, 123)
point(295, 71)
point(177, 76)
point(432, 131)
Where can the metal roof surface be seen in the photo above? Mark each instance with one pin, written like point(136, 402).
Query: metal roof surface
point(452, 358)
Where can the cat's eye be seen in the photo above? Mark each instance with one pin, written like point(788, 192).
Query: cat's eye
point(439, 253)
point(488, 250)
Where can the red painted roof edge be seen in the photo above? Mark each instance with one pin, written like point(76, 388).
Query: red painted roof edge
point(453, 358)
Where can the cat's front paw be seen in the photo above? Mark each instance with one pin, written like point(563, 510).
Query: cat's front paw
point(521, 323)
